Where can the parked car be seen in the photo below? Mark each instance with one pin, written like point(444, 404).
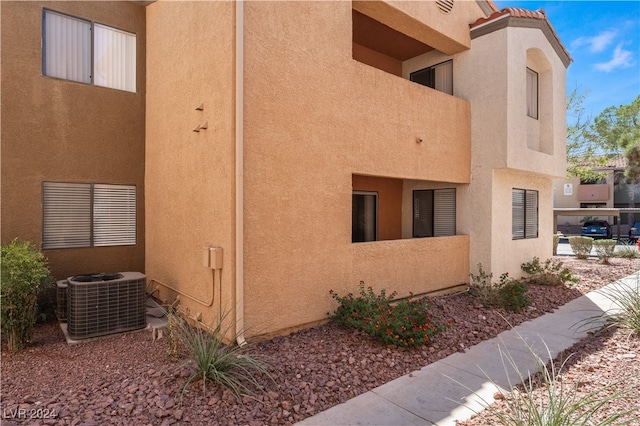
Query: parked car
point(634, 231)
point(596, 229)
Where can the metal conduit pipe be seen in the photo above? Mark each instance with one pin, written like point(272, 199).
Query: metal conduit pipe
point(239, 122)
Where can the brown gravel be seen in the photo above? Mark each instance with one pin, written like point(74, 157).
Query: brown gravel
point(128, 379)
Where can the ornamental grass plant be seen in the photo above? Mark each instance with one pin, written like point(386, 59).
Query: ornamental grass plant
point(625, 310)
point(558, 404)
point(228, 365)
point(407, 322)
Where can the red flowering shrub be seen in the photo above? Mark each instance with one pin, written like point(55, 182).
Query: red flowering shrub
point(407, 322)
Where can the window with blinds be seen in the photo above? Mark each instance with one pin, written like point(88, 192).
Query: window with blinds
point(434, 213)
point(532, 93)
point(80, 50)
point(524, 214)
point(439, 77)
point(88, 215)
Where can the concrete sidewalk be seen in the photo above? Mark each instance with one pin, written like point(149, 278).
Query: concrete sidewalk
point(456, 387)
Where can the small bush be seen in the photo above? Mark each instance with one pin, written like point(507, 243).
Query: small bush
point(556, 241)
point(581, 246)
point(508, 293)
point(549, 273)
point(24, 274)
point(605, 249)
point(405, 323)
point(230, 366)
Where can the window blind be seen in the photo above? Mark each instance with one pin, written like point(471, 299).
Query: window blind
point(67, 47)
point(532, 93)
point(444, 212)
point(114, 215)
point(114, 58)
point(66, 215)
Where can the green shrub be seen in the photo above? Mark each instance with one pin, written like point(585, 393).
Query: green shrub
point(581, 246)
point(605, 249)
point(24, 274)
point(230, 366)
point(549, 273)
point(508, 293)
point(556, 241)
point(405, 323)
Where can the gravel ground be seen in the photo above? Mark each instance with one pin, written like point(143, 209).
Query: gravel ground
point(128, 379)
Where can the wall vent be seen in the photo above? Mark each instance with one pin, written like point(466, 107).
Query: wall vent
point(445, 6)
point(99, 304)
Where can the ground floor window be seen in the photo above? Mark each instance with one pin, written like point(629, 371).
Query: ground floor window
point(88, 215)
point(434, 213)
point(364, 216)
point(524, 214)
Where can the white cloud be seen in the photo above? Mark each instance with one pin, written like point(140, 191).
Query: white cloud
point(596, 43)
point(621, 59)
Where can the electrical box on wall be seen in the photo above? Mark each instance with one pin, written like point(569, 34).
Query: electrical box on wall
point(213, 257)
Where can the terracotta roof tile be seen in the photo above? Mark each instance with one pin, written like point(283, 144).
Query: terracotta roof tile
point(521, 13)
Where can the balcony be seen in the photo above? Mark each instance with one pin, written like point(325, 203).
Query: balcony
point(594, 193)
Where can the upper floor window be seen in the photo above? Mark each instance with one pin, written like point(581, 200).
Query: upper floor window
point(532, 93)
point(434, 213)
point(524, 214)
point(80, 50)
point(439, 77)
point(88, 215)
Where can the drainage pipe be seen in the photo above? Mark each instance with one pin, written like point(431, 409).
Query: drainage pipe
point(239, 111)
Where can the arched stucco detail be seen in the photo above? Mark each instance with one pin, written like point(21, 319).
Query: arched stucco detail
point(540, 130)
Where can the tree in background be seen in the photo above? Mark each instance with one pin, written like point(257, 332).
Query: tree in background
point(584, 153)
point(617, 131)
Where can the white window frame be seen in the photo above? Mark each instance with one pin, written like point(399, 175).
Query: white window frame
point(532, 93)
point(524, 214)
point(80, 50)
point(369, 217)
point(80, 215)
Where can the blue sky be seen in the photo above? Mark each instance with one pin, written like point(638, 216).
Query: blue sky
point(602, 37)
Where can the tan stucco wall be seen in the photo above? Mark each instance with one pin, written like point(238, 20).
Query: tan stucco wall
point(425, 22)
point(503, 154)
point(190, 175)
point(317, 118)
point(507, 254)
point(313, 118)
point(58, 130)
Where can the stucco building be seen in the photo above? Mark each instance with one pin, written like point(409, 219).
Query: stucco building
point(277, 150)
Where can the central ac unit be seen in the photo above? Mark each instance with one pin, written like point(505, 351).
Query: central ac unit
point(99, 304)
